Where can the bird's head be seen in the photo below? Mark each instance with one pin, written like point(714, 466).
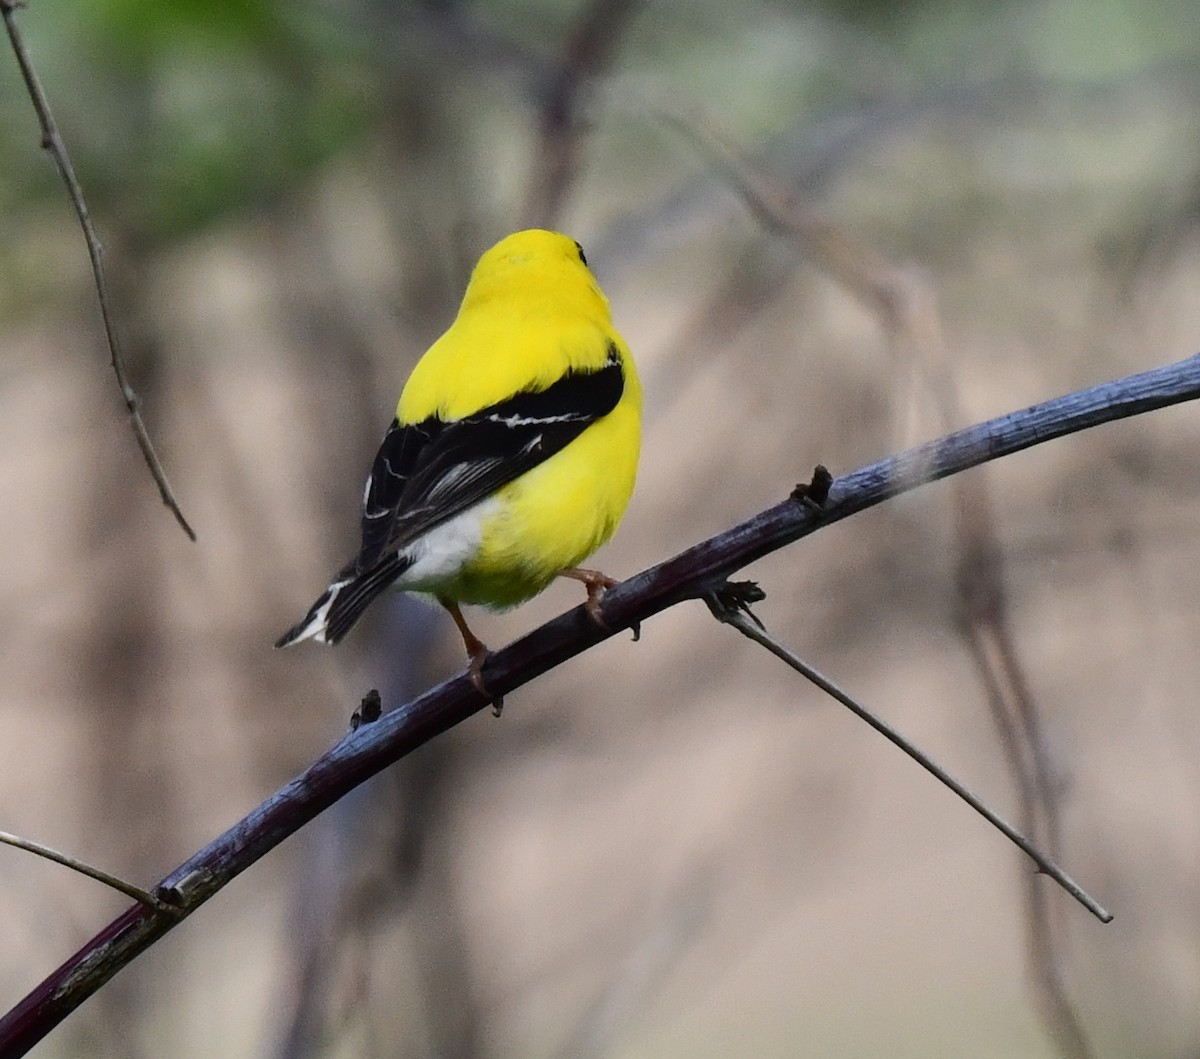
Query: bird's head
point(536, 265)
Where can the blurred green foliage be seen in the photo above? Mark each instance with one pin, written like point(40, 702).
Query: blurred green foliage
point(182, 113)
point(177, 114)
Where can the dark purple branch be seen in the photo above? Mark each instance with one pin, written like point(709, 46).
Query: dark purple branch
point(373, 747)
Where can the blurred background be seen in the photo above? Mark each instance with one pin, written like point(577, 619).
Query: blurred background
point(828, 231)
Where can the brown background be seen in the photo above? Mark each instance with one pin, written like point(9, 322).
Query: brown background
point(673, 848)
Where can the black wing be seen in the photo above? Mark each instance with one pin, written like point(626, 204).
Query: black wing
point(428, 472)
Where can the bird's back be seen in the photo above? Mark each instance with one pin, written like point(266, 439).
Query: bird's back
point(531, 312)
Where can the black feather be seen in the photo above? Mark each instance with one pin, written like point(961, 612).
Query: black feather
point(426, 473)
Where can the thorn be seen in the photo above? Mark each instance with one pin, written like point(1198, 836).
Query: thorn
point(368, 712)
point(733, 597)
point(816, 492)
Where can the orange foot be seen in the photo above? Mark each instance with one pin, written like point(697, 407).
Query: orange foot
point(597, 584)
point(477, 652)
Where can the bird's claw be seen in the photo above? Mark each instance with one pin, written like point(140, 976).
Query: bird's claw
point(475, 672)
point(596, 590)
point(597, 584)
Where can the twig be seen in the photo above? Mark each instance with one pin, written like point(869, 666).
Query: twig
point(128, 889)
point(52, 142)
point(738, 615)
point(688, 575)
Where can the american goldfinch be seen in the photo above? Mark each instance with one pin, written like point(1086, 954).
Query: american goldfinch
point(513, 452)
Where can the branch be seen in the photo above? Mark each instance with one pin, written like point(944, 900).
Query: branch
point(52, 142)
point(689, 575)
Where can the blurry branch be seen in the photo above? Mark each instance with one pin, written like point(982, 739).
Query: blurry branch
point(462, 35)
point(128, 889)
point(587, 54)
point(371, 859)
point(823, 144)
point(779, 208)
point(745, 288)
point(736, 612)
point(52, 142)
point(986, 625)
point(814, 150)
point(908, 312)
point(692, 574)
point(643, 969)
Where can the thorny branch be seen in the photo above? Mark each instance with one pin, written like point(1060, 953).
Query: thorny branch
point(691, 574)
point(52, 142)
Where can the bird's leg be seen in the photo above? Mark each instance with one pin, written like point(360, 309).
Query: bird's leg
point(597, 584)
point(477, 652)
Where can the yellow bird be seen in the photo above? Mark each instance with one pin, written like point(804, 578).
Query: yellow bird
point(513, 453)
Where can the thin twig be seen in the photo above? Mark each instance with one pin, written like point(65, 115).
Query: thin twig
point(128, 889)
point(52, 142)
point(688, 575)
point(749, 625)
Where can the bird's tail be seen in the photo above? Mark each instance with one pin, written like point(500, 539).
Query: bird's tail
point(343, 602)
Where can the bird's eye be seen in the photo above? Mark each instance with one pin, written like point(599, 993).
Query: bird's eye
point(581, 257)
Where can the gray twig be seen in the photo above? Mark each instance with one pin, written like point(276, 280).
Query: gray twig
point(128, 889)
point(736, 612)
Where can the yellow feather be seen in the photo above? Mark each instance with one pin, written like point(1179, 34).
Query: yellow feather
point(532, 313)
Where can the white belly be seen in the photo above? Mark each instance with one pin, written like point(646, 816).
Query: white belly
point(439, 556)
